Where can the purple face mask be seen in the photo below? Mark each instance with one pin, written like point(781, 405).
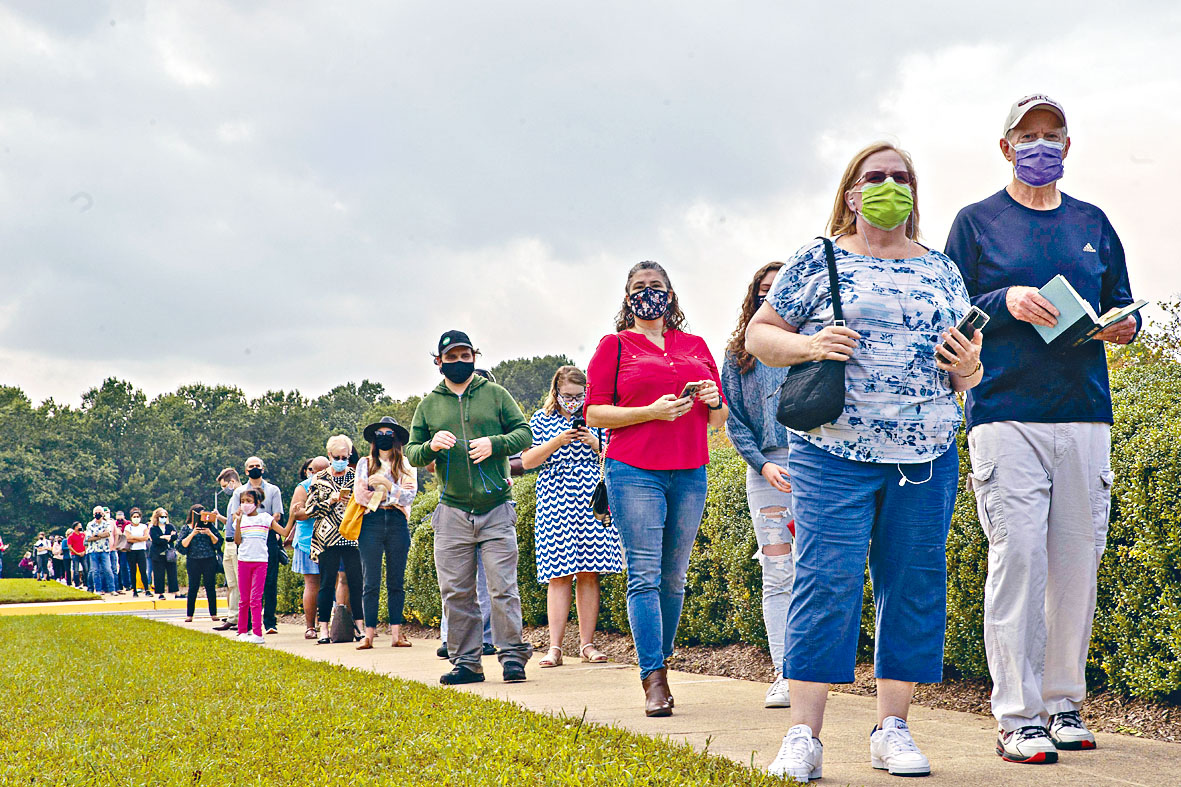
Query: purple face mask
point(1038, 163)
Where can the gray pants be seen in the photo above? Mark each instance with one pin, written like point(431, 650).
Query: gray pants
point(1043, 494)
point(462, 539)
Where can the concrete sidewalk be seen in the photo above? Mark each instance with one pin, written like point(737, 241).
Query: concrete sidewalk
point(728, 716)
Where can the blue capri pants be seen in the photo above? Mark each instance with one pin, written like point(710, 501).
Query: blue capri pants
point(844, 509)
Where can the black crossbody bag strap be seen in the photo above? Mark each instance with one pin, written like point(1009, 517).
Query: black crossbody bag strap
point(834, 285)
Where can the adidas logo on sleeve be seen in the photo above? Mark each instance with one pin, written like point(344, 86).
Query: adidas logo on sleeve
point(1089, 248)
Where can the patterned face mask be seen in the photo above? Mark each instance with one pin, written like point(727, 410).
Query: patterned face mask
point(571, 404)
point(649, 303)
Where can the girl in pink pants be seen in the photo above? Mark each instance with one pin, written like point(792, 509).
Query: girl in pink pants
point(250, 534)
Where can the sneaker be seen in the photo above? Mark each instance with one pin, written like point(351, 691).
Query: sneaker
point(800, 757)
point(1030, 744)
point(255, 639)
point(891, 748)
point(272, 630)
point(442, 651)
point(460, 675)
point(490, 649)
point(1067, 731)
point(777, 695)
point(242, 638)
point(514, 672)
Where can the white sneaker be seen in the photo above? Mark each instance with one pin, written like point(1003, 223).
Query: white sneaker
point(1027, 745)
point(1067, 731)
point(778, 695)
point(800, 757)
point(255, 639)
point(891, 748)
point(242, 637)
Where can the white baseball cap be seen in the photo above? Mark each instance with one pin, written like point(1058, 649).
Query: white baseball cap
point(1035, 101)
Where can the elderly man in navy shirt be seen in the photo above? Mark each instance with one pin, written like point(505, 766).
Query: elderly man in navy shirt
point(1039, 432)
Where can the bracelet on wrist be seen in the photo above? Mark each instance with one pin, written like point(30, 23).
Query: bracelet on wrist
point(972, 373)
point(719, 407)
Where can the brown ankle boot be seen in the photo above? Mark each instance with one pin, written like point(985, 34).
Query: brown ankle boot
point(657, 700)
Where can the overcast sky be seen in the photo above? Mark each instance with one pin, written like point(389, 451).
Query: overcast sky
point(294, 195)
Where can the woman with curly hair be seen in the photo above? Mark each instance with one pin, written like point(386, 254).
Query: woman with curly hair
point(657, 389)
point(750, 387)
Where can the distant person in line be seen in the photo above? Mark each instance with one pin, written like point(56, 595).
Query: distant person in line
point(656, 387)
point(880, 479)
point(113, 554)
point(76, 541)
point(469, 427)
point(229, 481)
point(58, 559)
point(572, 547)
point(387, 475)
point(121, 546)
point(272, 503)
point(139, 539)
point(1039, 432)
point(163, 536)
point(253, 526)
point(42, 552)
point(98, 548)
point(298, 533)
point(199, 542)
point(328, 496)
point(3, 549)
point(751, 389)
point(27, 564)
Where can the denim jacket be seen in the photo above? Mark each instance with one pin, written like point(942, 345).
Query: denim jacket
point(753, 399)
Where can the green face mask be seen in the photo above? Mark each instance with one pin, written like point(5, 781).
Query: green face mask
point(886, 205)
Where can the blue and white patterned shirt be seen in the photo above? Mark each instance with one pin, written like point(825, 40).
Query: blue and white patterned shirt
point(899, 407)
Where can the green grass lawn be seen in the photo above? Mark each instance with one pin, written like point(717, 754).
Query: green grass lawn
point(126, 701)
point(27, 591)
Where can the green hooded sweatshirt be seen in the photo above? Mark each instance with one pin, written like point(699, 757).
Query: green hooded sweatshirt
point(484, 410)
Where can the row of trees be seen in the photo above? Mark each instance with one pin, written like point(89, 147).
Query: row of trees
point(121, 450)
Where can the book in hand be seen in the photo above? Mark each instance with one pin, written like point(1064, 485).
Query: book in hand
point(1077, 321)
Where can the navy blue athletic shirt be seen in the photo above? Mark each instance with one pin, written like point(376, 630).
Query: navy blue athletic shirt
point(998, 243)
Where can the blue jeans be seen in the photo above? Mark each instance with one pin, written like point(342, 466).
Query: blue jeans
point(844, 509)
point(384, 533)
point(657, 513)
point(80, 573)
point(124, 576)
point(102, 580)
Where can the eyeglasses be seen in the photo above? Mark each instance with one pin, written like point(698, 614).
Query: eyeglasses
point(877, 176)
point(341, 458)
point(385, 431)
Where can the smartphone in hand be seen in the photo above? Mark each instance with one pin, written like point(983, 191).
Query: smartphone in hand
point(973, 321)
point(690, 390)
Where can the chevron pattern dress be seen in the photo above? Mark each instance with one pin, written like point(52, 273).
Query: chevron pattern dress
point(567, 537)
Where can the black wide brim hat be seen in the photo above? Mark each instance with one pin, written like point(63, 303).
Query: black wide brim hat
point(387, 423)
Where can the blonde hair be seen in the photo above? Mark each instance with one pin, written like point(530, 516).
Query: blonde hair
point(339, 440)
point(564, 374)
point(843, 220)
point(156, 516)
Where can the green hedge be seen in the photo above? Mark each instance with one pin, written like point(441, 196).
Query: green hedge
point(1137, 644)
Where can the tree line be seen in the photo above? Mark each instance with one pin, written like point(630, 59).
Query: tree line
point(120, 449)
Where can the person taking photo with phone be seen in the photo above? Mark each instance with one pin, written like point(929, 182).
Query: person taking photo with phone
point(572, 547)
point(882, 477)
point(198, 540)
point(656, 387)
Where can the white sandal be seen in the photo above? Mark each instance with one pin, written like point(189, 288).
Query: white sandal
point(596, 657)
point(549, 660)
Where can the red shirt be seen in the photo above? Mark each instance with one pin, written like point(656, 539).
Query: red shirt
point(77, 543)
point(646, 373)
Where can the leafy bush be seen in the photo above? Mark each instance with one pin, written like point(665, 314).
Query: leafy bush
point(348, 726)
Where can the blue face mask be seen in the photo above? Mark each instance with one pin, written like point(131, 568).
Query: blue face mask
point(340, 465)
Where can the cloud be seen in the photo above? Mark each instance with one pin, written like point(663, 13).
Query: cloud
point(331, 189)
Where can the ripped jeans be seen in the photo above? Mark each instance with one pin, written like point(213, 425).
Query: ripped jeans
point(770, 513)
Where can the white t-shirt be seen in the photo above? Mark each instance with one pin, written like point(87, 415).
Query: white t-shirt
point(139, 531)
point(254, 529)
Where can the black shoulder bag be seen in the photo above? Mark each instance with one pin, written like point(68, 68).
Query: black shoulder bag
point(599, 505)
point(813, 394)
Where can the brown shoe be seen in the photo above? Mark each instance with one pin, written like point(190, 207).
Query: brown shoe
point(366, 644)
point(401, 642)
point(225, 626)
point(657, 701)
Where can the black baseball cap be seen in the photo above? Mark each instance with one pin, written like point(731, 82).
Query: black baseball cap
point(453, 339)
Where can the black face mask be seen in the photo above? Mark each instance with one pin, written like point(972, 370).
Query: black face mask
point(254, 472)
point(384, 442)
point(458, 371)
